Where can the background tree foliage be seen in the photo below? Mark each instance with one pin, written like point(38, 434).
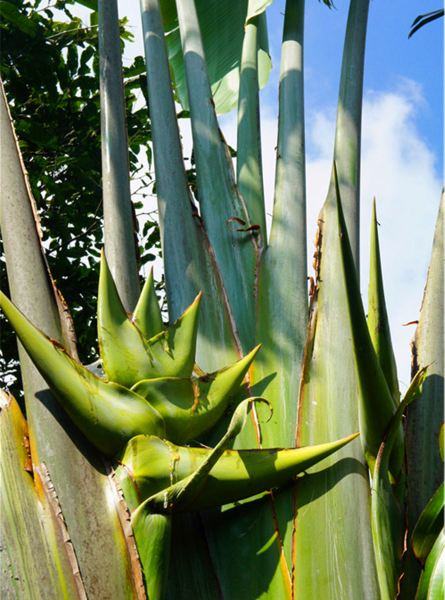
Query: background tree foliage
point(49, 66)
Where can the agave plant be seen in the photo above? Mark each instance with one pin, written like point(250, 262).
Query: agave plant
point(157, 472)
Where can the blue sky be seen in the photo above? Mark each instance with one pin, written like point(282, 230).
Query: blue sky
point(402, 143)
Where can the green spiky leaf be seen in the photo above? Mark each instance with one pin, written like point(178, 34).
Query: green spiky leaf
point(147, 314)
point(377, 405)
point(108, 414)
point(378, 322)
point(127, 356)
point(190, 407)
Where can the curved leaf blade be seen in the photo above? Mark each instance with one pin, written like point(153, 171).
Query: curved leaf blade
point(431, 583)
point(429, 525)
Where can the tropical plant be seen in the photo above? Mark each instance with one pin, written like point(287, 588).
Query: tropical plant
point(163, 473)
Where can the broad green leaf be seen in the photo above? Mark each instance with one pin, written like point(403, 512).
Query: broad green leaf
point(281, 324)
point(387, 518)
point(332, 505)
point(431, 583)
point(189, 268)
point(35, 557)
point(282, 295)
point(222, 26)
point(429, 525)
point(75, 469)
point(378, 322)
point(108, 414)
point(118, 212)
point(425, 418)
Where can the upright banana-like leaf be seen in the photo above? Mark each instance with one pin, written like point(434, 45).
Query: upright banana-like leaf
point(248, 148)
point(36, 556)
point(281, 327)
point(328, 394)
point(75, 470)
point(221, 207)
point(378, 322)
point(387, 517)
point(349, 116)
point(281, 322)
point(425, 418)
point(188, 257)
point(221, 24)
point(190, 267)
point(118, 216)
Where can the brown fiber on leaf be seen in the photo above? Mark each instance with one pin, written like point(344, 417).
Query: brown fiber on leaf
point(125, 521)
point(42, 477)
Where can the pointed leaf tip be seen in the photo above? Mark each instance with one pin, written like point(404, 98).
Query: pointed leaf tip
point(121, 345)
point(378, 322)
point(147, 314)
